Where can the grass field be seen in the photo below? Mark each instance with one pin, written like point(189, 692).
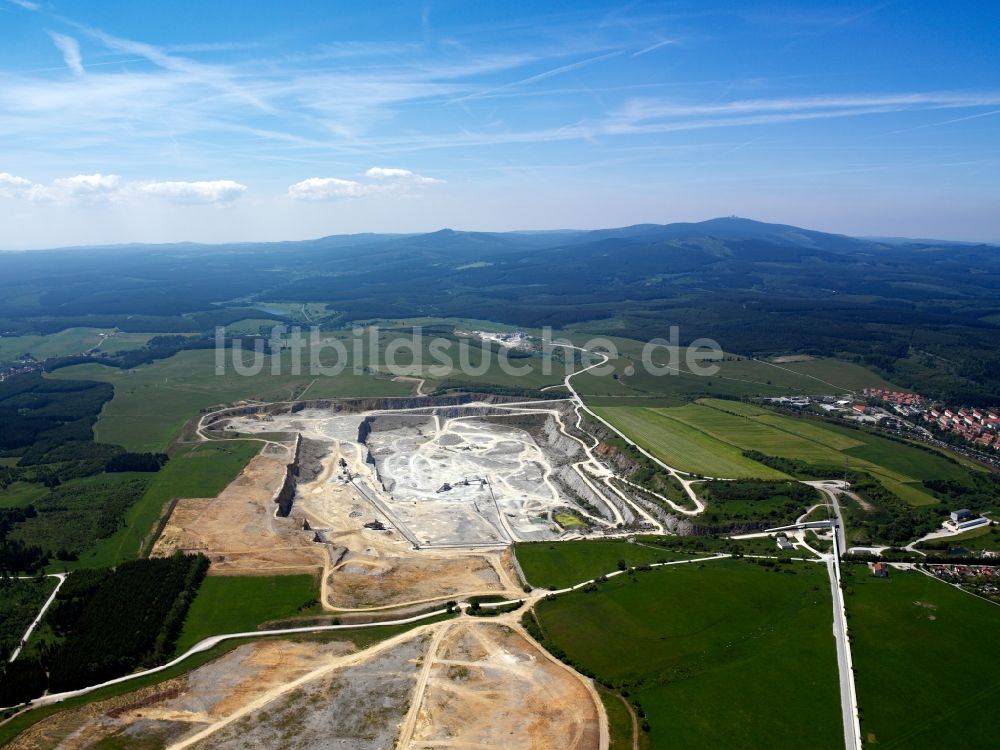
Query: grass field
point(682, 446)
point(736, 377)
point(925, 657)
point(985, 538)
point(21, 494)
point(237, 604)
point(152, 402)
point(620, 724)
point(200, 470)
point(709, 437)
point(68, 341)
point(723, 654)
point(563, 564)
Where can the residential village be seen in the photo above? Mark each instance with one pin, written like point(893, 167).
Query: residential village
point(979, 426)
point(968, 431)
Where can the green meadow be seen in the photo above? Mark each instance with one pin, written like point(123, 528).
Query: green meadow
point(710, 436)
point(239, 604)
point(925, 656)
point(562, 564)
point(721, 654)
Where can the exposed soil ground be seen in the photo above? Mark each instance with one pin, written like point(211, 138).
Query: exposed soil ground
point(168, 712)
point(238, 530)
point(358, 706)
point(366, 567)
point(442, 476)
point(467, 683)
point(489, 686)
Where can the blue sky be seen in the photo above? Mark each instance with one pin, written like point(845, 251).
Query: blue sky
point(218, 121)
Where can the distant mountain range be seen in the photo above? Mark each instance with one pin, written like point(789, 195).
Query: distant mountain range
point(924, 312)
point(724, 228)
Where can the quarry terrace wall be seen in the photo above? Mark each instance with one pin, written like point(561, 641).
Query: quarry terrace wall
point(286, 493)
point(354, 405)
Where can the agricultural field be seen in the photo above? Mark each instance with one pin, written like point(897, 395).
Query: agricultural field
point(238, 604)
point(906, 629)
point(712, 435)
point(563, 564)
point(717, 654)
point(683, 446)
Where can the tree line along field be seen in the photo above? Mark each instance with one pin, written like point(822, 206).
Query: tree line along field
point(925, 656)
point(710, 437)
point(726, 653)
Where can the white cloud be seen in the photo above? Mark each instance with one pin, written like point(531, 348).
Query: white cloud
point(327, 188)
point(12, 186)
point(389, 180)
point(89, 189)
point(26, 4)
point(208, 191)
point(81, 188)
point(86, 186)
point(70, 49)
point(394, 173)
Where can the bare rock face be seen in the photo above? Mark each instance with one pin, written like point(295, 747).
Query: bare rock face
point(309, 460)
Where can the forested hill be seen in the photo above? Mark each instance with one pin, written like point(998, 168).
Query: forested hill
point(925, 313)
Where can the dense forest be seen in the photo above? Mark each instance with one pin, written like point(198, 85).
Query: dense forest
point(108, 622)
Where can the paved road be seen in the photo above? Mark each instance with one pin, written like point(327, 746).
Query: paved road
point(830, 489)
point(845, 662)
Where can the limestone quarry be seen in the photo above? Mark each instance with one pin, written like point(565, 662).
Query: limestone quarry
point(397, 505)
